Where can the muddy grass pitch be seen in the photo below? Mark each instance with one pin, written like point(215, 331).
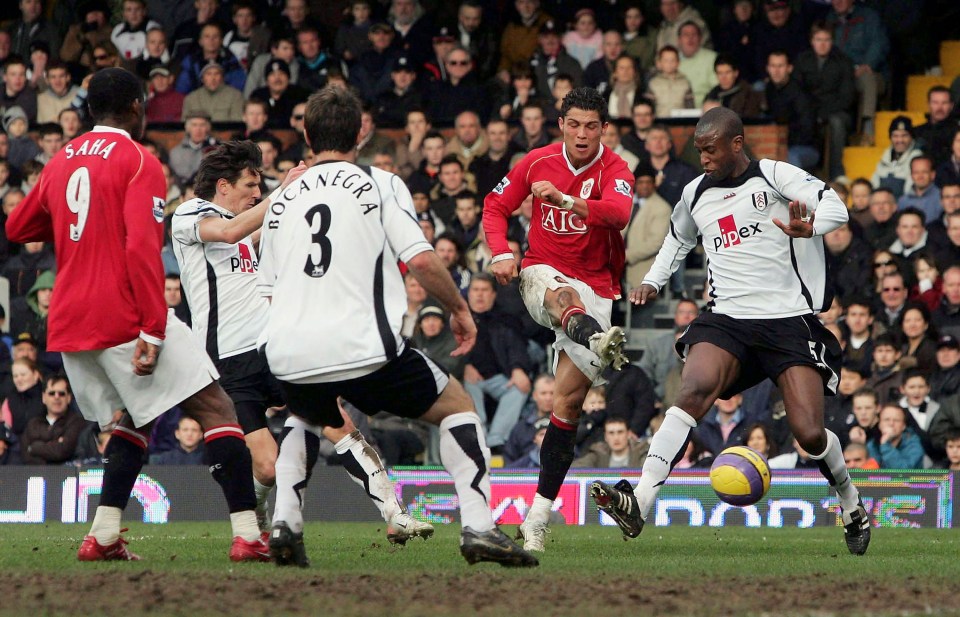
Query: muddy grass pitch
point(585, 571)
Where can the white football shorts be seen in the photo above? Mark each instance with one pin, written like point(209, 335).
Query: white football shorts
point(103, 380)
point(534, 283)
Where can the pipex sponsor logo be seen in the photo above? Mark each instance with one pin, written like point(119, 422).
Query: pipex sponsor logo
point(731, 234)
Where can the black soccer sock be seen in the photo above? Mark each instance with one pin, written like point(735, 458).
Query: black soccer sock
point(579, 326)
point(556, 454)
point(230, 465)
point(122, 461)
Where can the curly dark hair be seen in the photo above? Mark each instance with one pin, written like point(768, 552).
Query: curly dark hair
point(227, 161)
point(112, 93)
point(587, 99)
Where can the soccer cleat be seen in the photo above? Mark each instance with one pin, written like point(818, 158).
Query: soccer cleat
point(620, 504)
point(253, 550)
point(91, 550)
point(494, 545)
point(534, 535)
point(856, 529)
point(403, 527)
point(609, 348)
point(286, 547)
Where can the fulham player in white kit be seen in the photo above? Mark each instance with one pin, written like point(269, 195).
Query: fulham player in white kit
point(215, 238)
point(571, 272)
point(767, 282)
point(329, 250)
point(100, 200)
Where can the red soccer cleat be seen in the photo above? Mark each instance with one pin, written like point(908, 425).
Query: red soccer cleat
point(242, 550)
point(91, 550)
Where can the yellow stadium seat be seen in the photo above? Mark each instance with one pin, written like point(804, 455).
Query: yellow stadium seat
point(861, 162)
point(881, 125)
point(917, 87)
point(950, 57)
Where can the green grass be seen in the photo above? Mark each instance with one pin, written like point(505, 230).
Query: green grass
point(667, 571)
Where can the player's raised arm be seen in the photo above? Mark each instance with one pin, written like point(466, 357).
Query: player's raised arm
point(30, 221)
point(233, 230)
point(680, 240)
point(498, 206)
point(815, 209)
point(612, 210)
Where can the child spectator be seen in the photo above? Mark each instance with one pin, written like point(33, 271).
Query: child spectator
point(953, 451)
point(22, 148)
point(668, 88)
point(590, 429)
point(897, 447)
point(928, 290)
point(886, 377)
point(531, 458)
point(352, 35)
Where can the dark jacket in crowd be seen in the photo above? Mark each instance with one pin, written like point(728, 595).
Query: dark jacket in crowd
point(832, 86)
point(500, 348)
point(43, 443)
point(179, 456)
point(936, 138)
point(849, 269)
point(741, 98)
point(630, 395)
point(789, 104)
point(448, 100)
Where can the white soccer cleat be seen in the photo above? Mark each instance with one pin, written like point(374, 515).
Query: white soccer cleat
point(609, 348)
point(534, 535)
point(403, 527)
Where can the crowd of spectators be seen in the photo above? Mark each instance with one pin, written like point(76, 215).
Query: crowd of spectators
point(454, 94)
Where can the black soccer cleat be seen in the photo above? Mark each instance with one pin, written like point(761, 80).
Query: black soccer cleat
point(856, 529)
point(286, 547)
point(620, 504)
point(494, 545)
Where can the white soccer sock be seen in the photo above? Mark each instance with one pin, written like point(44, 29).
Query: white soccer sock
point(366, 469)
point(464, 453)
point(262, 491)
point(539, 511)
point(300, 447)
point(667, 443)
point(834, 469)
point(244, 524)
point(106, 525)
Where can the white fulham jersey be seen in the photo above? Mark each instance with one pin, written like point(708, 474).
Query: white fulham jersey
point(754, 270)
point(219, 281)
point(328, 259)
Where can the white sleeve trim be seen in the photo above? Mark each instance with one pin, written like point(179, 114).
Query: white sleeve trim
point(501, 257)
point(413, 250)
point(151, 339)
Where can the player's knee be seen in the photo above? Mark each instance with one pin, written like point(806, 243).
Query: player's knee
point(265, 471)
point(567, 297)
point(696, 397)
point(813, 439)
point(568, 406)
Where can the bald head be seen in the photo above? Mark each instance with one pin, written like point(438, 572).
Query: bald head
point(724, 122)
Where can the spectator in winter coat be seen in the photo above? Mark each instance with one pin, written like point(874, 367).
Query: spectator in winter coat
point(52, 438)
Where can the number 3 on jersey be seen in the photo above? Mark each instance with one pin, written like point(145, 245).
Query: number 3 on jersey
point(318, 258)
point(78, 200)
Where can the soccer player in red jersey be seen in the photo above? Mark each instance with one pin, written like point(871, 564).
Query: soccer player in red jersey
point(571, 273)
point(100, 200)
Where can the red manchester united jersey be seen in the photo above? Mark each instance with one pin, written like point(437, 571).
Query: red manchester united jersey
point(100, 200)
point(592, 250)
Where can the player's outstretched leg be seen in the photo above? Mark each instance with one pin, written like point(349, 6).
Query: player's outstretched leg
point(629, 509)
point(583, 329)
point(464, 453)
point(366, 469)
point(122, 461)
point(231, 465)
point(556, 452)
point(802, 388)
point(299, 450)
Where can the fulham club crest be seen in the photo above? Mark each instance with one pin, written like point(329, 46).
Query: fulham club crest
point(759, 201)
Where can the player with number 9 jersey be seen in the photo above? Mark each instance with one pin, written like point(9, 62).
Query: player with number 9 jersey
point(100, 197)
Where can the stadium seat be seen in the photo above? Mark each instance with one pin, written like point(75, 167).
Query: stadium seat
point(950, 57)
point(882, 124)
point(918, 85)
point(861, 161)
